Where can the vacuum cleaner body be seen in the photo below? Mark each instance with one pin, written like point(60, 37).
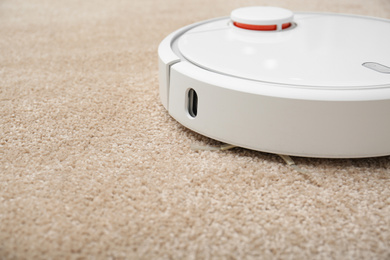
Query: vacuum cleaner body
point(268, 79)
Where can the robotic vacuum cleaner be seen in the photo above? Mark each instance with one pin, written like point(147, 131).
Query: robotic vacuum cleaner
point(268, 79)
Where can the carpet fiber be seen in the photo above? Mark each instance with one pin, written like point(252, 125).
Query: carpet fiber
point(93, 167)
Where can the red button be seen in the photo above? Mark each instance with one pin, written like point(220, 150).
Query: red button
point(262, 18)
point(261, 27)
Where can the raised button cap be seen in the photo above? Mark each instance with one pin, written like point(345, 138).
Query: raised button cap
point(262, 18)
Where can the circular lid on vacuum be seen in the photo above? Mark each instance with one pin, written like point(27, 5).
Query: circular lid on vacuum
point(274, 45)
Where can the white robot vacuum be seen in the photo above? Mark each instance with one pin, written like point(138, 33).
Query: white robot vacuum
point(268, 79)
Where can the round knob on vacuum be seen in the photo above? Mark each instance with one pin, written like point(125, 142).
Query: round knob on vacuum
point(262, 18)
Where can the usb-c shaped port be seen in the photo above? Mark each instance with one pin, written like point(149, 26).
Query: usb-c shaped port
point(192, 103)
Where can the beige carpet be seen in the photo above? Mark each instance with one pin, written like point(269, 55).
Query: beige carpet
point(93, 167)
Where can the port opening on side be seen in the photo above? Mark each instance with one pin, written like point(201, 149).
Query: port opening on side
point(192, 103)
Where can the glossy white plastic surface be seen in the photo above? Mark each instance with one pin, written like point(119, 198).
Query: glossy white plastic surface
point(322, 50)
point(262, 15)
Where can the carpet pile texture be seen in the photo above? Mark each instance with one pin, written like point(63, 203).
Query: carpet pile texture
point(93, 167)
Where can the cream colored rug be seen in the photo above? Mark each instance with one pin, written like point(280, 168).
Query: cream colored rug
point(93, 167)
